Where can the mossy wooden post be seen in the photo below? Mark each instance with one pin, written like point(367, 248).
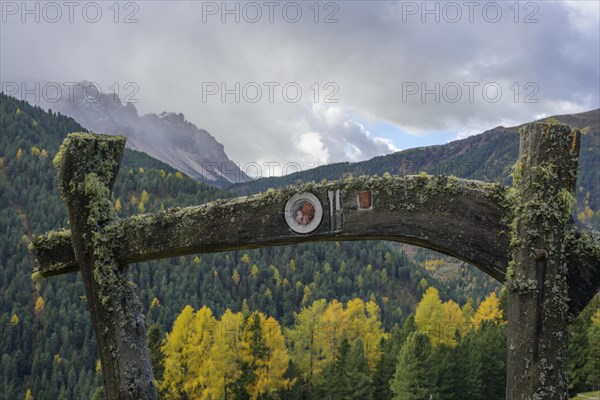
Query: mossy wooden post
point(87, 167)
point(545, 180)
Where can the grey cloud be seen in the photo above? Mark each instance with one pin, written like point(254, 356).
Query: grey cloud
point(369, 54)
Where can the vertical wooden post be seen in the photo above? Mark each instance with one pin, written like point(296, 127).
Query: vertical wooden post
point(544, 180)
point(87, 167)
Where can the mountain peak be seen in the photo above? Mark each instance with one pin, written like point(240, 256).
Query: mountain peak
point(172, 116)
point(167, 136)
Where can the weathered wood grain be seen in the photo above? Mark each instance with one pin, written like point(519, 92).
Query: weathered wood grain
point(545, 179)
point(87, 167)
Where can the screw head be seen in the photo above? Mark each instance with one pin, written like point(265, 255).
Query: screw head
point(541, 255)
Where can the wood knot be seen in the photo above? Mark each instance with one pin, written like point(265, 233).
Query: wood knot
point(541, 255)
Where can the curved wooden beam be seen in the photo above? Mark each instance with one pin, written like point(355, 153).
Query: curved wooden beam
point(456, 217)
point(461, 218)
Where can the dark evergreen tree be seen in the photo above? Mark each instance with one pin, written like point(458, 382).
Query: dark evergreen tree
point(578, 355)
point(297, 389)
point(492, 351)
point(412, 379)
point(155, 340)
point(336, 382)
point(408, 328)
point(386, 367)
point(472, 368)
point(592, 367)
point(444, 373)
point(356, 370)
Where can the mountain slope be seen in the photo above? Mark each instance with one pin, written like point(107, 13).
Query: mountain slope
point(167, 136)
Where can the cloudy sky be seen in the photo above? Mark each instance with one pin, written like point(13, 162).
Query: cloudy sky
point(312, 82)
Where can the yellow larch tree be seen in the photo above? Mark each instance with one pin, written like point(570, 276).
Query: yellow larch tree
point(273, 376)
point(235, 277)
point(145, 197)
point(430, 315)
point(39, 305)
point(333, 324)
point(489, 310)
point(143, 201)
point(154, 303)
point(320, 328)
point(118, 205)
point(454, 320)
point(363, 321)
point(306, 295)
point(263, 347)
point(308, 337)
point(596, 318)
point(224, 367)
point(440, 321)
point(468, 312)
point(175, 350)
point(201, 338)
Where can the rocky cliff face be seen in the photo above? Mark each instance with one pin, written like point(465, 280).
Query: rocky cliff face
point(166, 136)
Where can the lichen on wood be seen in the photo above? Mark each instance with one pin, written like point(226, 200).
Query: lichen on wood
point(422, 200)
point(544, 179)
point(87, 167)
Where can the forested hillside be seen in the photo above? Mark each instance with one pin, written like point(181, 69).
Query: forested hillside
point(276, 299)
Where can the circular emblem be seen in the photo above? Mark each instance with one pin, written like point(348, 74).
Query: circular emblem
point(303, 213)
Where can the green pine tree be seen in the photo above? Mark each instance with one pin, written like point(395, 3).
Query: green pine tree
point(356, 370)
point(298, 390)
point(472, 368)
point(592, 367)
point(335, 384)
point(408, 328)
point(413, 371)
point(492, 350)
point(386, 367)
point(444, 371)
point(155, 339)
point(578, 354)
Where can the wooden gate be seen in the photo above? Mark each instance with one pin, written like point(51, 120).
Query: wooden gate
point(524, 236)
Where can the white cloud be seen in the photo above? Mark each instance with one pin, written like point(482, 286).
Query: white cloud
point(345, 137)
point(311, 145)
point(332, 115)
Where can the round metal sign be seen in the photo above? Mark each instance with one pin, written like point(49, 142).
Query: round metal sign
point(303, 213)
